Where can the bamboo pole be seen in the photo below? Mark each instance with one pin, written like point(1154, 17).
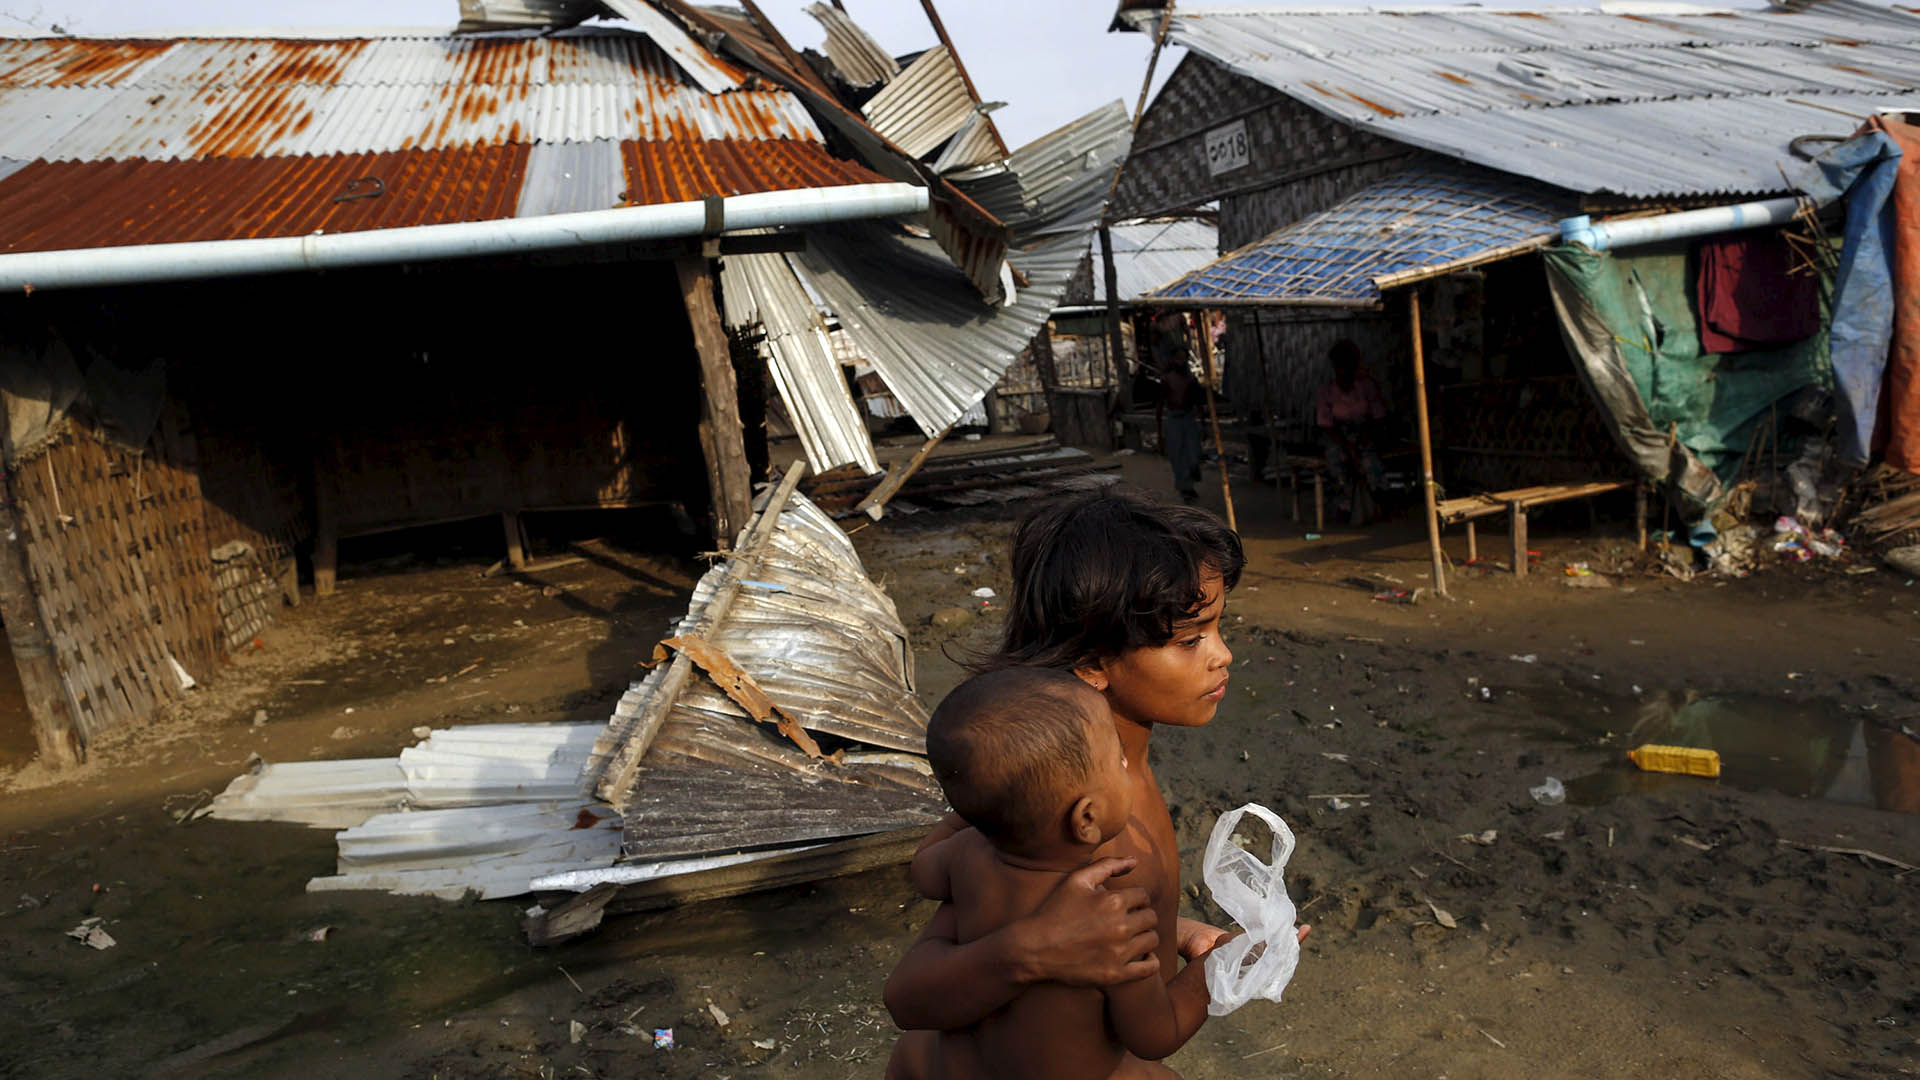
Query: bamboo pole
point(1219, 448)
point(1426, 444)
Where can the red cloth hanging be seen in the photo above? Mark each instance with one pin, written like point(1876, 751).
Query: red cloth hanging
point(1749, 298)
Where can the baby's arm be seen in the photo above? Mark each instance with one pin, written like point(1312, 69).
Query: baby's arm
point(932, 863)
point(1153, 1018)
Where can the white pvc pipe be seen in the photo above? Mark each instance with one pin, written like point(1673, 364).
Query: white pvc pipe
point(421, 243)
point(1607, 235)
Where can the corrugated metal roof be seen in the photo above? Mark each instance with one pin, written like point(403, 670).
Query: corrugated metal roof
point(152, 141)
point(51, 206)
point(923, 106)
point(262, 98)
point(1642, 103)
point(1413, 224)
point(1150, 254)
point(858, 59)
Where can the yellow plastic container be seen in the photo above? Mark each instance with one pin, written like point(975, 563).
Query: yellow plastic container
point(1685, 760)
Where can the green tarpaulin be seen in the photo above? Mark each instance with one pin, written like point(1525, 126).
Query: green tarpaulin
point(1683, 416)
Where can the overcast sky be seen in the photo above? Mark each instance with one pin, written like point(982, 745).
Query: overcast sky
point(1050, 60)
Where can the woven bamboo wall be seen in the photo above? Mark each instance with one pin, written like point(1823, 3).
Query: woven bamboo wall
point(1287, 142)
point(117, 545)
point(256, 517)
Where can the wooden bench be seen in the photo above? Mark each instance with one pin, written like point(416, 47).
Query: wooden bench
point(1518, 501)
point(1294, 466)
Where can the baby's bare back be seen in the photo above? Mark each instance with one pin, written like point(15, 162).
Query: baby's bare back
point(1051, 1031)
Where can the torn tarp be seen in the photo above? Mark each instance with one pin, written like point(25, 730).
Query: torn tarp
point(1876, 303)
point(1682, 416)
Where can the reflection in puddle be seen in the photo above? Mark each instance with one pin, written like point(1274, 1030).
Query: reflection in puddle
point(1812, 750)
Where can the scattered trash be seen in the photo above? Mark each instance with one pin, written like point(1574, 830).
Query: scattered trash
point(663, 1038)
point(1689, 841)
point(90, 933)
point(1529, 658)
point(576, 1031)
point(342, 732)
point(318, 933)
point(1484, 838)
point(1684, 760)
point(1244, 756)
point(1311, 536)
point(259, 718)
point(719, 1015)
point(1442, 916)
point(1588, 580)
point(1125, 451)
point(1260, 962)
point(769, 1044)
point(1337, 803)
point(1486, 693)
point(422, 732)
point(1551, 793)
point(1400, 596)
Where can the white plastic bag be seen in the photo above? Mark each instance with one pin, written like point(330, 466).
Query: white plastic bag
point(1260, 962)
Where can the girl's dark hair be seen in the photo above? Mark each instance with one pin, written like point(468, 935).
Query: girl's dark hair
point(1097, 574)
point(1344, 351)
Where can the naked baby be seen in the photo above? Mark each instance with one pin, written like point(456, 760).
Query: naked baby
point(1029, 757)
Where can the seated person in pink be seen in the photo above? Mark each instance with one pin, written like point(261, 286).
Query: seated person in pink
point(1349, 411)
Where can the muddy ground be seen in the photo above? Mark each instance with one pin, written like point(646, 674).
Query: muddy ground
point(1649, 926)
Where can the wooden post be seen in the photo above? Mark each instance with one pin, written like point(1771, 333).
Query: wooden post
point(516, 541)
point(1640, 513)
point(1473, 544)
point(729, 480)
point(1518, 512)
point(1219, 448)
point(326, 517)
point(1319, 500)
point(54, 725)
point(1426, 444)
point(1116, 341)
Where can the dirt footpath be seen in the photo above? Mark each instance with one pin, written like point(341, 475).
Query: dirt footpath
point(1647, 926)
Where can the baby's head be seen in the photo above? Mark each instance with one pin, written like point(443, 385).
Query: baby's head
point(1029, 756)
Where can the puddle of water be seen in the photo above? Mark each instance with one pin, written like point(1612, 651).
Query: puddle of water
point(1805, 749)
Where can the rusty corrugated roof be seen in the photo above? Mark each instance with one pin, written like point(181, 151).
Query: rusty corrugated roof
point(57, 205)
point(217, 138)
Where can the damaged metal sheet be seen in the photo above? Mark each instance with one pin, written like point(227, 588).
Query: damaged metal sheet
point(930, 338)
point(761, 291)
point(927, 334)
point(795, 610)
point(856, 57)
point(925, 105)
point(1058, 182)
point(474, 765)
point(493, 851)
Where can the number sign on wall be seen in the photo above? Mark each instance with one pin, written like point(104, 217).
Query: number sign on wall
point(1227, 148)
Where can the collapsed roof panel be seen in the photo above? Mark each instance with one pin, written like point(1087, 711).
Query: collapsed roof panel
point(925, 106)
point(856, 57)
point(761, 291)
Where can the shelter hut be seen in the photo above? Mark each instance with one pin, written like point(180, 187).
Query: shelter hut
point(1356, 156)
point(521, 268)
